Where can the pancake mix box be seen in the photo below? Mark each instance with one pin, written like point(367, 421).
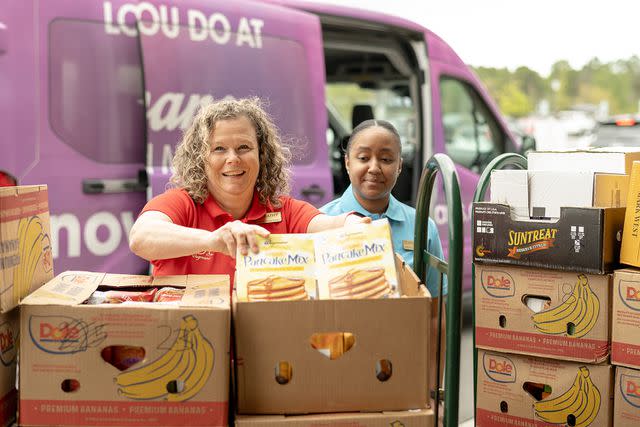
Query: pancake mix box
point(356, 262)
point(284, 269)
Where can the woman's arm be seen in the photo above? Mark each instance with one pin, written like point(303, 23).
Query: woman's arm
point(324, 222)
point(154, 236)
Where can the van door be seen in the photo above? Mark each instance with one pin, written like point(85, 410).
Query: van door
point(83, 130)
point(204, 51)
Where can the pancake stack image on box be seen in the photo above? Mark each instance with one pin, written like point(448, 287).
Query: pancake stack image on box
point(360, 283)
point(277, 288)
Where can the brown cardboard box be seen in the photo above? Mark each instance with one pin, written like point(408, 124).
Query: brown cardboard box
point(9, 332)
point(182, 379)
point(610, 190)
point(573, 323)
point(626, 407)
point(528, 391)
point(25, 245)
point(625, 319)
point(419, 418)
point(386, 368)
point(630, 251)
point(582, 239)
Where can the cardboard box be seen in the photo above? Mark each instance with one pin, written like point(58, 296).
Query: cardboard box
point(68, 373)
point(25, 243)
point(418, 418)
point(626, 400)
point(606, 160)
point(386, 368)
point(528, 391)
point(541, 194)
point(9, 333)
point(630, 251)
point(573, 323)
point(582, 239)
point(625, 319)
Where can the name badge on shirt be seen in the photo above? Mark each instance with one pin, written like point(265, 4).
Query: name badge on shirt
point(271, 217)
point(407, 245)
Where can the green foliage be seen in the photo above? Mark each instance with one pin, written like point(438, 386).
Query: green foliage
point(518, 92)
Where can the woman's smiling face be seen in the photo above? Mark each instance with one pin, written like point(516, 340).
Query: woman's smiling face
point(234, 161)
point(373, 163)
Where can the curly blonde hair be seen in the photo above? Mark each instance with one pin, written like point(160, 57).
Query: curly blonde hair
point(192, 153)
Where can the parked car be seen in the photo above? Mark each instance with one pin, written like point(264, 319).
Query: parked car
point(618, 131)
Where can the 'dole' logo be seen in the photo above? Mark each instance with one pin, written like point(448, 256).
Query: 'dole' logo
point(499, 368)
point(630, 389)
point(56, 334)
point(8, 344)
point(629, 293)
point(498, 284)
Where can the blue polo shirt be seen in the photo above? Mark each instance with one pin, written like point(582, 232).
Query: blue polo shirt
point(402, 219)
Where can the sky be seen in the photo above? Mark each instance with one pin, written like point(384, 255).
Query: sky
point(513, 33)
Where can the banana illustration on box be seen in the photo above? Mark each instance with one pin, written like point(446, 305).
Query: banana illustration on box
point(186, 366)
point(580, 309)
point(34, 248)
point(581, 402)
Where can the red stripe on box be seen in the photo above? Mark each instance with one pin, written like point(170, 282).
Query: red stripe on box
point(109, 413)
point(486, 418)
point(23, 205)
point(8, 407)
point(625, 354)
point(544, 345)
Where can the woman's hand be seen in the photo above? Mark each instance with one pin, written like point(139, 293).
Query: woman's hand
point(353, 218)
point(237, 235)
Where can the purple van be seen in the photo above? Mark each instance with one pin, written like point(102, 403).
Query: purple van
point(94, 96)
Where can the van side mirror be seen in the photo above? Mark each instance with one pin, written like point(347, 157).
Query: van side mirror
point(4, 39)
point(528, 143)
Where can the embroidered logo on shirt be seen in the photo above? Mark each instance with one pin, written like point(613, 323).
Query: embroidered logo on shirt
point(203, 256)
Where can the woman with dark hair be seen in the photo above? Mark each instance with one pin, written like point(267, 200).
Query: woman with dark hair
point(231, 179)
point(374, 162)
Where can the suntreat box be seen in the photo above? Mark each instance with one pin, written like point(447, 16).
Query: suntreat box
point(582, 239)
point(626, 406)
point(418, 418)
point(548, 313)
point(296, 357)
point(625, 321)
point(25, 242)
point(9, 333)
point(516, 390)
point(132, 363)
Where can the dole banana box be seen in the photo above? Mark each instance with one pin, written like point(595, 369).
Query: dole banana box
point(626, 407)
point(625, 319)
point(132, 363)
point(9, 333)
point(515, 390)
point(548, 313)
point(284, 269)
point(582, 239)
point(418, 418)
point(356, 262)
point(334, 355)
point(25, 242)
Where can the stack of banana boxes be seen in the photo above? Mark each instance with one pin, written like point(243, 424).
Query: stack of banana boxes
point(331, 329)
point(545, 251)
point(26, 264)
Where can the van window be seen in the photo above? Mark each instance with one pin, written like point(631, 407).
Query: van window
point(96, 95)
point(472, 136)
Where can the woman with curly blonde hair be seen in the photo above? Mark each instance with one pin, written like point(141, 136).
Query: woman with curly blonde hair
point(231, 183)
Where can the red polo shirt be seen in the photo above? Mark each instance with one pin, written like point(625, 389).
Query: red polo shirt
point(294, 217)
